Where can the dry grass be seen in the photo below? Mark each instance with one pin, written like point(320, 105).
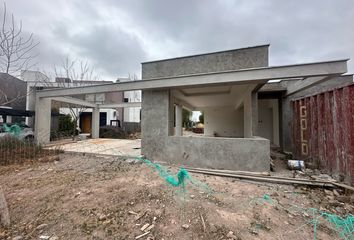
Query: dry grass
point(15, 151)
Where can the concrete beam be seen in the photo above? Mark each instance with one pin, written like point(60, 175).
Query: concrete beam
point(74, 101)
point(121, 105)
point(247, 91)
point(254, 75)
point(304, 84)
point(205, 93)
point(185, 104)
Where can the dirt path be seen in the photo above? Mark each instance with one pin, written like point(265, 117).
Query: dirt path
point(86, 197)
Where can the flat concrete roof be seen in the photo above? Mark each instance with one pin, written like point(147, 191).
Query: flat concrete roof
point(251, 75)
point(208, 53)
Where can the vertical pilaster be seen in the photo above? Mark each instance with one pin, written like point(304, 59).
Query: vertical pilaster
point(95, 123)
point(42, 120)
point(178, 115)
point(247, 116)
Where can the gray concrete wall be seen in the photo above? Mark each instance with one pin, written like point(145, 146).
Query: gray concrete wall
point(251, 57)
point(222, 153)
point(246, 154)
point(333, 83)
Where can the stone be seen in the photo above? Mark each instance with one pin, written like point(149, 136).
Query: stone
point(274, 194)
point(231, 235)
point(334, 203)
point(149, 228)
point(132, 161)
point(143, 228)
point(41, 226)
point(101, 217)
point(185, 226)
point(213, 228)
point(327, 192)
point(44, 237)
point(329, 197)
point(54, 238)
point(254, 232)
point(17, 238)
point(336, 193)
point(344, 198)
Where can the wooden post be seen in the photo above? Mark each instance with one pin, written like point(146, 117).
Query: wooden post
point(4, 211)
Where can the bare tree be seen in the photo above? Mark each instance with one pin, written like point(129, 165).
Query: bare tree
point(16, 53)
point(16, 47)
point(78, 72)
point(5, 100)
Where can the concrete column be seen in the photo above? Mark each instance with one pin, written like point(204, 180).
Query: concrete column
point(171, 114)
point(247, 116)
point(42, 120)
point(178, 115)
point(255, 113)
point(95, 123)
point(30, 104)
point(275, 110)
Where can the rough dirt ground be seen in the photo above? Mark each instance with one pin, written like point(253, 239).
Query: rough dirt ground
point(87, 197)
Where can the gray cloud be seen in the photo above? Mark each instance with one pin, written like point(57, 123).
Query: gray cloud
point(116, 36)
point(112, 50)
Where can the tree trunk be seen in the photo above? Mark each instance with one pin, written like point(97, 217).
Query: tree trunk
point(4, 211)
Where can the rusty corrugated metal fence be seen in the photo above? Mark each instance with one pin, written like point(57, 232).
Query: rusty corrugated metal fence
point(323, 131)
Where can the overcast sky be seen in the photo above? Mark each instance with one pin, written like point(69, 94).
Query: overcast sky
point(116, 36)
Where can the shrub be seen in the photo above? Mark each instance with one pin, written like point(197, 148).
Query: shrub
point(66, 125)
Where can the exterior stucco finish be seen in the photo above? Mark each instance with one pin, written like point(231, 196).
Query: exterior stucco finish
point(252, 57)
point(248, 154)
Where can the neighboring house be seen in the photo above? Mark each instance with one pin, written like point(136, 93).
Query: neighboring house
point(34, 76)
point(12, 92)
point(111, 116)
point(132, 115)
point(12, 95)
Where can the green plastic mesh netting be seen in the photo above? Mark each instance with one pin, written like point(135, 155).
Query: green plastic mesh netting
point(344, 226)
point(179, 180)
point(14, 130)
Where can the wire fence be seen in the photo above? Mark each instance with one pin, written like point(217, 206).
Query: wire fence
point(14, 150)
point(18, 145)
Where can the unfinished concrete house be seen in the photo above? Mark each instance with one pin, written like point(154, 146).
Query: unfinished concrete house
point(242, 118)
point(243, 115)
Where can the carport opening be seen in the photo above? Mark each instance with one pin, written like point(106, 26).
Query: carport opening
point(211, 112)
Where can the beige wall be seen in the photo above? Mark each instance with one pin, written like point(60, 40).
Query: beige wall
point(268, 120)
point(224, 121)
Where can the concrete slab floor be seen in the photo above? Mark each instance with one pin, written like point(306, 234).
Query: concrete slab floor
point(105, 146)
